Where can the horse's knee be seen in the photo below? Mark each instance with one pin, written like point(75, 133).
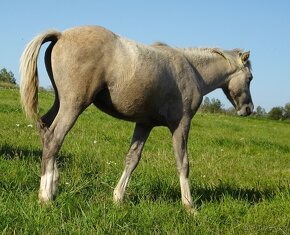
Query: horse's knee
point(183, 170)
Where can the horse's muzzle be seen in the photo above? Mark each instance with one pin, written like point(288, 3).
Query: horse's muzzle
point(246, 110)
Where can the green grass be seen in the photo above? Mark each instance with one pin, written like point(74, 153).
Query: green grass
point(7, 85)
point(240, 177)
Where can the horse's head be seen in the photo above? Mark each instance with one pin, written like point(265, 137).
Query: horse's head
point(237, 89)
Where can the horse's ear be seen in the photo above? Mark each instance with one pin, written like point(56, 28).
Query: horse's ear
point(245, 56)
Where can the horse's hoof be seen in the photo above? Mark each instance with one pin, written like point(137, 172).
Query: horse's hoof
point(192, 210)
point(44, 198)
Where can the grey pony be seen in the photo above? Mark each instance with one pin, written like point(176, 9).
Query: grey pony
point(151, 85)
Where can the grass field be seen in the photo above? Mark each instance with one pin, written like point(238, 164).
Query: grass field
point(240, 177)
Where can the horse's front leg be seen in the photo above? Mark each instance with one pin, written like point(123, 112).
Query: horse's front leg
point(180, 136)
point(139, 138)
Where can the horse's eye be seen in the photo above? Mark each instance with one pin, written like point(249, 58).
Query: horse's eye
point(250, 78)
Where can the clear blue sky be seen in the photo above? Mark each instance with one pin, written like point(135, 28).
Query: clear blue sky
point(263, 27)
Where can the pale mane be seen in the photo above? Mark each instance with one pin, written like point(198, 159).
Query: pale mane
point(160, 44)
point(200, 55)
point(205, 52)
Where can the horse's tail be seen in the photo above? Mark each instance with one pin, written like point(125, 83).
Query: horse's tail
point(29, 74)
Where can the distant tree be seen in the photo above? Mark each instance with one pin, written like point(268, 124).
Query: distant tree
point(276, 113)
point(230, 111)
point(260, 112)
point(216, 105)
point(6, 76)
point(211, 106)
point(287, 110)
point(206, 102)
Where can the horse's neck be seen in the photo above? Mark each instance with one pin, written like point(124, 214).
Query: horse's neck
point(213, 70)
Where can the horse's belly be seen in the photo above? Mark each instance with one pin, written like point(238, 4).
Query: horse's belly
point(130, 105)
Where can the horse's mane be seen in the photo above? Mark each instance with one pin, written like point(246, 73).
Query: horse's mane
point(232, 56)
point(207, 52)
point(235, 53)
point(160, 44)
point(239, 51)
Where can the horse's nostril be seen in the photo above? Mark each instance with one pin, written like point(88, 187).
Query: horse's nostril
point(248, 110)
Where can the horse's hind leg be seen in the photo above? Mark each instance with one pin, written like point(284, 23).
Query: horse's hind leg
point(44, 125)
point(139, 138)
point(48, 118)
point(52, 139)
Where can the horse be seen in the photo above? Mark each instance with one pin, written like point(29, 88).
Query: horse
point(151, 85)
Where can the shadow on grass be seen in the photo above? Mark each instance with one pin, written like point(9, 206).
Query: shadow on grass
point(205, 194)
point(10, 152)
point(218, 193)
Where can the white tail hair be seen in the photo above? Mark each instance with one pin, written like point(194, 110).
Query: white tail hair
point(29, 74)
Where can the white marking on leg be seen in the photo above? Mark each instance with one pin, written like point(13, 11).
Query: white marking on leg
point(45, 192)
point(121, 186)
point(185, 191)
point(48, 182)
